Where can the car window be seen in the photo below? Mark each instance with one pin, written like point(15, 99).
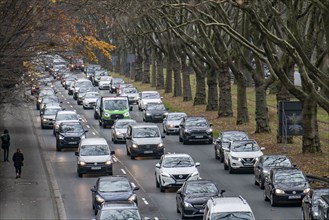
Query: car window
point(115, 104)
point(114, 185)
point(232, 216)
point(289, 177)
point(147, 132)
point(50, 111)
point(155, 107)
point(129, 91)
point(234, 136)
point(191, 122)
point(175, 117)
point(124, 124)
point(201, 188)
point(170, 162)
point(120, 214)
point(62, 117)
point(71, 128)
point(244, 147)
point(277, 161)
point(150, 95)
point(94, 150)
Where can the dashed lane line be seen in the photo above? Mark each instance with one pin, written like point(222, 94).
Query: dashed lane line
point(145, 201)
point(123, 171)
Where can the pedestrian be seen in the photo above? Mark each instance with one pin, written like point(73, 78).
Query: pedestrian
point(5, 138)
point(18, 159)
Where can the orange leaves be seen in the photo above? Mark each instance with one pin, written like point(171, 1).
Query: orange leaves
point(104, 47)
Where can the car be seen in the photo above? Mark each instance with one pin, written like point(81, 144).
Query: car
point(119, 129)
point(233, 207)
point(97, 108)
point(47, 117)
point(94, 156)
point(89, 100)
point(192, 197)
point(144, 140)
point(80, 83)
point(68, 81)
point(174, 169)
point(82, 92)
point(120, 211)
point(154, 112)
point(104, 82)
point(43, 93)
point(310, 203)
point(265, 163)
point(76, 63)
point(69, 135)
point(146, 97)
point(121, 86)
point(323, 207)
point(65, 115)
point(195, 129)
point(115, 83)
point(46, 100)
point(171, 122)
point(131, 93)
point(224, 139)
point(97, 75)
point(285, 185)
point(112, 189)
point(241, 155)
point(90, 69)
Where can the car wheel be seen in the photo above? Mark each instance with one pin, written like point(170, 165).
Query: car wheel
point(261, 182)
point(265, 196)
point(162, 189)
point(58, 148)
point(185, 141)
point(225, 166)
point(43, 127)
point(255, 181)
point(157, 184)
point(83, 107)
point(104, 125)
point(80, 175)
point(95, 116)
point(180, 139)
point(221, 157)
point(96, 211)
point(216, 155)
point(182, 214)
point(210, 141)
point(177, 209)
point(132, 157)
point(93, 206)
point(273, 202)
point(231, 170)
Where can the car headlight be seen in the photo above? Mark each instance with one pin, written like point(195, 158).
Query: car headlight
point(266, 172)
point(45, 119)
point(160, 145)
point(165, 174)
point(109, 162)
point(132, 197)
point(81, 163)
point(126, 114)
point(106, 114)
point(117, 133)
point(209, 130)
point(99, 199)
point(236, 158)
point(83, 136)
point(315, 213)
point(306, 190)
point(186, 204)
point(61, 137)
point(166, 113)
point(56, 126)
point(148, 114)
point(187, 130)
point(279, 192)
point(72, 65)
point(170, 125)
point(134, 145)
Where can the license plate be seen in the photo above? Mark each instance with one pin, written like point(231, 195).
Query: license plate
point(96, 168)
point(248, 164)
point(198, 136)
point(73, 142)
point(148, 152)
point(295, 197)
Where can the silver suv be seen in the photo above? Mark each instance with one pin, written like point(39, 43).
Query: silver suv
point(228, 208)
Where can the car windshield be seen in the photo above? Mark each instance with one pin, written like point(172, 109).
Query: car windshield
point(61, 117)
point(237, 146)
point(120, 214)
point(117, 80)
point(94, 150)
point(175, 117)
point(82, 83)
point(277, 162)
point(317, 195)
point(116, 104)
point(234, 136)
point(105, 78)
point(201, 188)
point(46, 92)
point(51, 111)
point(150, 95)
point(124, 124)
point(114, 185)
point(100, 73)
point(71, 128)
point(92, 95)
point(289, 177)
point(196, 122)
point(129, 91)
point(146, 132)
point(155, 107)
point(170, 162)
point(232, 216)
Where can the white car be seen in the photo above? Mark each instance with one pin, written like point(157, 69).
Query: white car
point(104, 82)
point(146, 97)
point(89, 99)
point(171, 122)
point(174, 169)
point(241, 155)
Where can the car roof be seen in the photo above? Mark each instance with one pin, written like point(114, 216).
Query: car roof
point(69, 123)
point(52, 106)
point(230, 204)
point(93, 141)
point(125, 120)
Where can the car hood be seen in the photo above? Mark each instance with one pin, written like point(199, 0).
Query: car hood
point(145, 101)
point(180, 170)
point(142, 141)
point(291, 185)
point(198, 198)
point(49, 116)
point(131, 94)
point(156, 111)
point(95, 159)
point(121, 130)
point(174, 122)
point(197, 128)
point(91, 99)
point(71, 134)
point(252, 154)
point(115, 196)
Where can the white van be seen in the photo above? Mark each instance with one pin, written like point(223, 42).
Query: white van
point(94, 156)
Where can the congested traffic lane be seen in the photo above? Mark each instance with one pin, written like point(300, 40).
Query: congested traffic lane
point(76, 191)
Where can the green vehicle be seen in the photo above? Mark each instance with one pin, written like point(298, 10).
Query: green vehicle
point(112, 108)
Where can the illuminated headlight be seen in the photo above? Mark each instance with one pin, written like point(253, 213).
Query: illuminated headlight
point(83, 136)
point(132, 197)
point(187, 130)
point(148, 114)
point(306, 190)
point(61, 137)
point(126, 114)
point(82, 65)
point(99, 199)
point(81, 163)
point(165, 174)
point(106, 114)
point(113, 87)
point(45, 119)
point(279, 192)
point(134, 145)
point(170, 125)
point(315, 213)
point(160, 145)
point(117, 133)
point(166, 113)
point(39, 100)
point(209, 130)
point(72, 65)
point(236, 158)
point(266, 172)
point(109, 162)
point(186, 204)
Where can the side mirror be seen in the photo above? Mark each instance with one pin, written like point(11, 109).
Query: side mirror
point(157, 165)
point(162, 136)
point(197, 164)
point(136, 188)
point(76, 153)
point(112, 152)
point(93, 189)
point(130, 108)
point(262, 148)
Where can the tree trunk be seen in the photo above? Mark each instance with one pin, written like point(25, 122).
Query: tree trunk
point(159, 75)
point(146, 70)
point(200, 89)
point(225, 108)
point(311, 139)
point(186, 70)
point(212, 104)
point(154, 69)
point(168, 84)
point(242, 104)
point(177, 78)
point(138, 68)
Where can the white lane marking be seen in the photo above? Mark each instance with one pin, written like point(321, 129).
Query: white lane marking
point(88, 126)
point(133, 184)
point(65, 99)
point(72, 107)
point(115, 159)
point(123, 171)
point(68, 102)
point(93, 133)
point(146, 203)
point(156, 218)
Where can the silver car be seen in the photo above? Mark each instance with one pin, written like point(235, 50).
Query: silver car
point(119, 129)
point(171, 122)
point(89, 99)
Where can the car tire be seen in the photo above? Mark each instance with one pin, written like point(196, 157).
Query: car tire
point(231, 170)
point(84, 108)
point(128, 153)
point(216, 156)
point(43, 127)
point(210, 141)
point(157, 184)
point(177, 209)
point(185, 141)
point(95, 116)
point(95, 211)
point(80, 175)
point(180, 139)
point(261, 182)
point(104, 125)
point(182, 214)
point(132, 157)
point(265, 196)
point(162, 189)
point(225, 166)
point(58, 148)
point(255, 181)
point(272, 200)
point(221, 157)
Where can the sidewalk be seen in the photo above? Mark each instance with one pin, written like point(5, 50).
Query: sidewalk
point(31, 196)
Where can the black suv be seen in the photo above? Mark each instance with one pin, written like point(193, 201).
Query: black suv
point(195, 129)
point(69, 135)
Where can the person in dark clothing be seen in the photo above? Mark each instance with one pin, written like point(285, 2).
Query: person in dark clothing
point(18, 159)
point(5, 138)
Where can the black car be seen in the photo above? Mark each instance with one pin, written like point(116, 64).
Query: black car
point(224, 139)
point(154, 112)
point(112, 188)
point(120, 210)
point(195, 129)
point(265, 163)
point(192, 197)
point(69, 135)
point(114, 84)
point(310, 203)
point(285, 185)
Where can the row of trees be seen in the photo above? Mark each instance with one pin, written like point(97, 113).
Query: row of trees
point(213, 39)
